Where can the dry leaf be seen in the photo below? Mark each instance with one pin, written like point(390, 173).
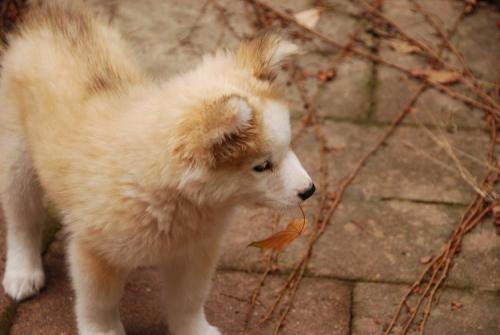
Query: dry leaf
point(403, 47)
point(308, 18)
point(455, 305)
point(441, 77)
point(282, 239)
point(425, 259)
point(326, 75)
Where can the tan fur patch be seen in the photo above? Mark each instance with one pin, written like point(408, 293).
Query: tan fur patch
point(208, 134)
point(79, 34)
point(256, 54)
point(263, 54)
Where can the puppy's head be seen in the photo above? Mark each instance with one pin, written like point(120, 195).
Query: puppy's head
point(235, 140)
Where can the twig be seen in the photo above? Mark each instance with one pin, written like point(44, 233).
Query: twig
point(475, 85)
point(452, 93)
point(267, 271)
point(192, 29)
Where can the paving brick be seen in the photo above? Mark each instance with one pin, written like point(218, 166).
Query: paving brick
point(404, 15)
point(157, 32)
point(396, 170)
point(348, 95)
point(374, 305)
point(394, 88)
point(478, 38)
point(322, 306)
point(375, 241)
point(394, 91)
point(325, 302)
point(384, 241)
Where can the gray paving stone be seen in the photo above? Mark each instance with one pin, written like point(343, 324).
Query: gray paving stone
point(396, 171)
point(321, 307)
point(374, 241)
point(157, 32)
point(404, 15)
point(374, 305)
point(478, 264)
point(384, 241)
point(52, 311)
point(399, 172)
point(348, 95)
point(478, 38)
point(394, 90)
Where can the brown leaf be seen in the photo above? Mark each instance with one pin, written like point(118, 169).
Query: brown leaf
point(282, 239)
point(441, 77)
point(425, 259)
point(455, 305)
point(309, 17)
point(326, 75)
point(403, 47)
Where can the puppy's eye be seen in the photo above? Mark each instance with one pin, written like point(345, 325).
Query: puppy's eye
point(267, 165)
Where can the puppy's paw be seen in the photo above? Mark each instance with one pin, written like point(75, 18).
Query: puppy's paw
point(211, 330)
point(203, 329)
point(109, 332)
point(22, 284)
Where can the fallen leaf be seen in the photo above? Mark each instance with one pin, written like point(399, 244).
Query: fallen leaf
point(282, 239)
point(455, 305)
point(309, 17)
point(425, 259)
point(470, 5)
point(403, 47)
point(441, 77)
point(326, 75)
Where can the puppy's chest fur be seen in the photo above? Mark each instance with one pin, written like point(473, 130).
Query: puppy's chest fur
point(150, 227)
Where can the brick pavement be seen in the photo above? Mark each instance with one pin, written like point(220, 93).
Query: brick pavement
point(401, 207)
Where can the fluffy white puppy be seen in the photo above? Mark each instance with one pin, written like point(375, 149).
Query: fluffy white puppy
point(143, 172)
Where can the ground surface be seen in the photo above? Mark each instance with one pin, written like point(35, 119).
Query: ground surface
point(400, 209)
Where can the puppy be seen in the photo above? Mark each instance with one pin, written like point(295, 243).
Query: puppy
point(144, 173)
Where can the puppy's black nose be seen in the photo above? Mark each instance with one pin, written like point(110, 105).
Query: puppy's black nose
point(307, 193)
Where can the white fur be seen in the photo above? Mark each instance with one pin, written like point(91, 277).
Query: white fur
point(243, 112)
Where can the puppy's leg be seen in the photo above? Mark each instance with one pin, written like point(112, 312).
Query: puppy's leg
point(187, 281)
point(24, 214)
point(98, 286)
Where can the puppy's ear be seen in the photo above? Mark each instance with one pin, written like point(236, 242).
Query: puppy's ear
point(263, 54)
point(220, 132)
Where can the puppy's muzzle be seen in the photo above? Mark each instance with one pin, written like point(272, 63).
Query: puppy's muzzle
point(308, 192)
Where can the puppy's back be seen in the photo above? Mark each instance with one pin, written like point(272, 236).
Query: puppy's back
point(59, 57)
point(60, 75)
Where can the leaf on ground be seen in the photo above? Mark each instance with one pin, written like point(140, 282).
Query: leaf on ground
point(425, 259)
point(455, 305)
point(309, 17)
point(441, 77)
point(326, 75)
point(403, 47)
point(282, 239)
